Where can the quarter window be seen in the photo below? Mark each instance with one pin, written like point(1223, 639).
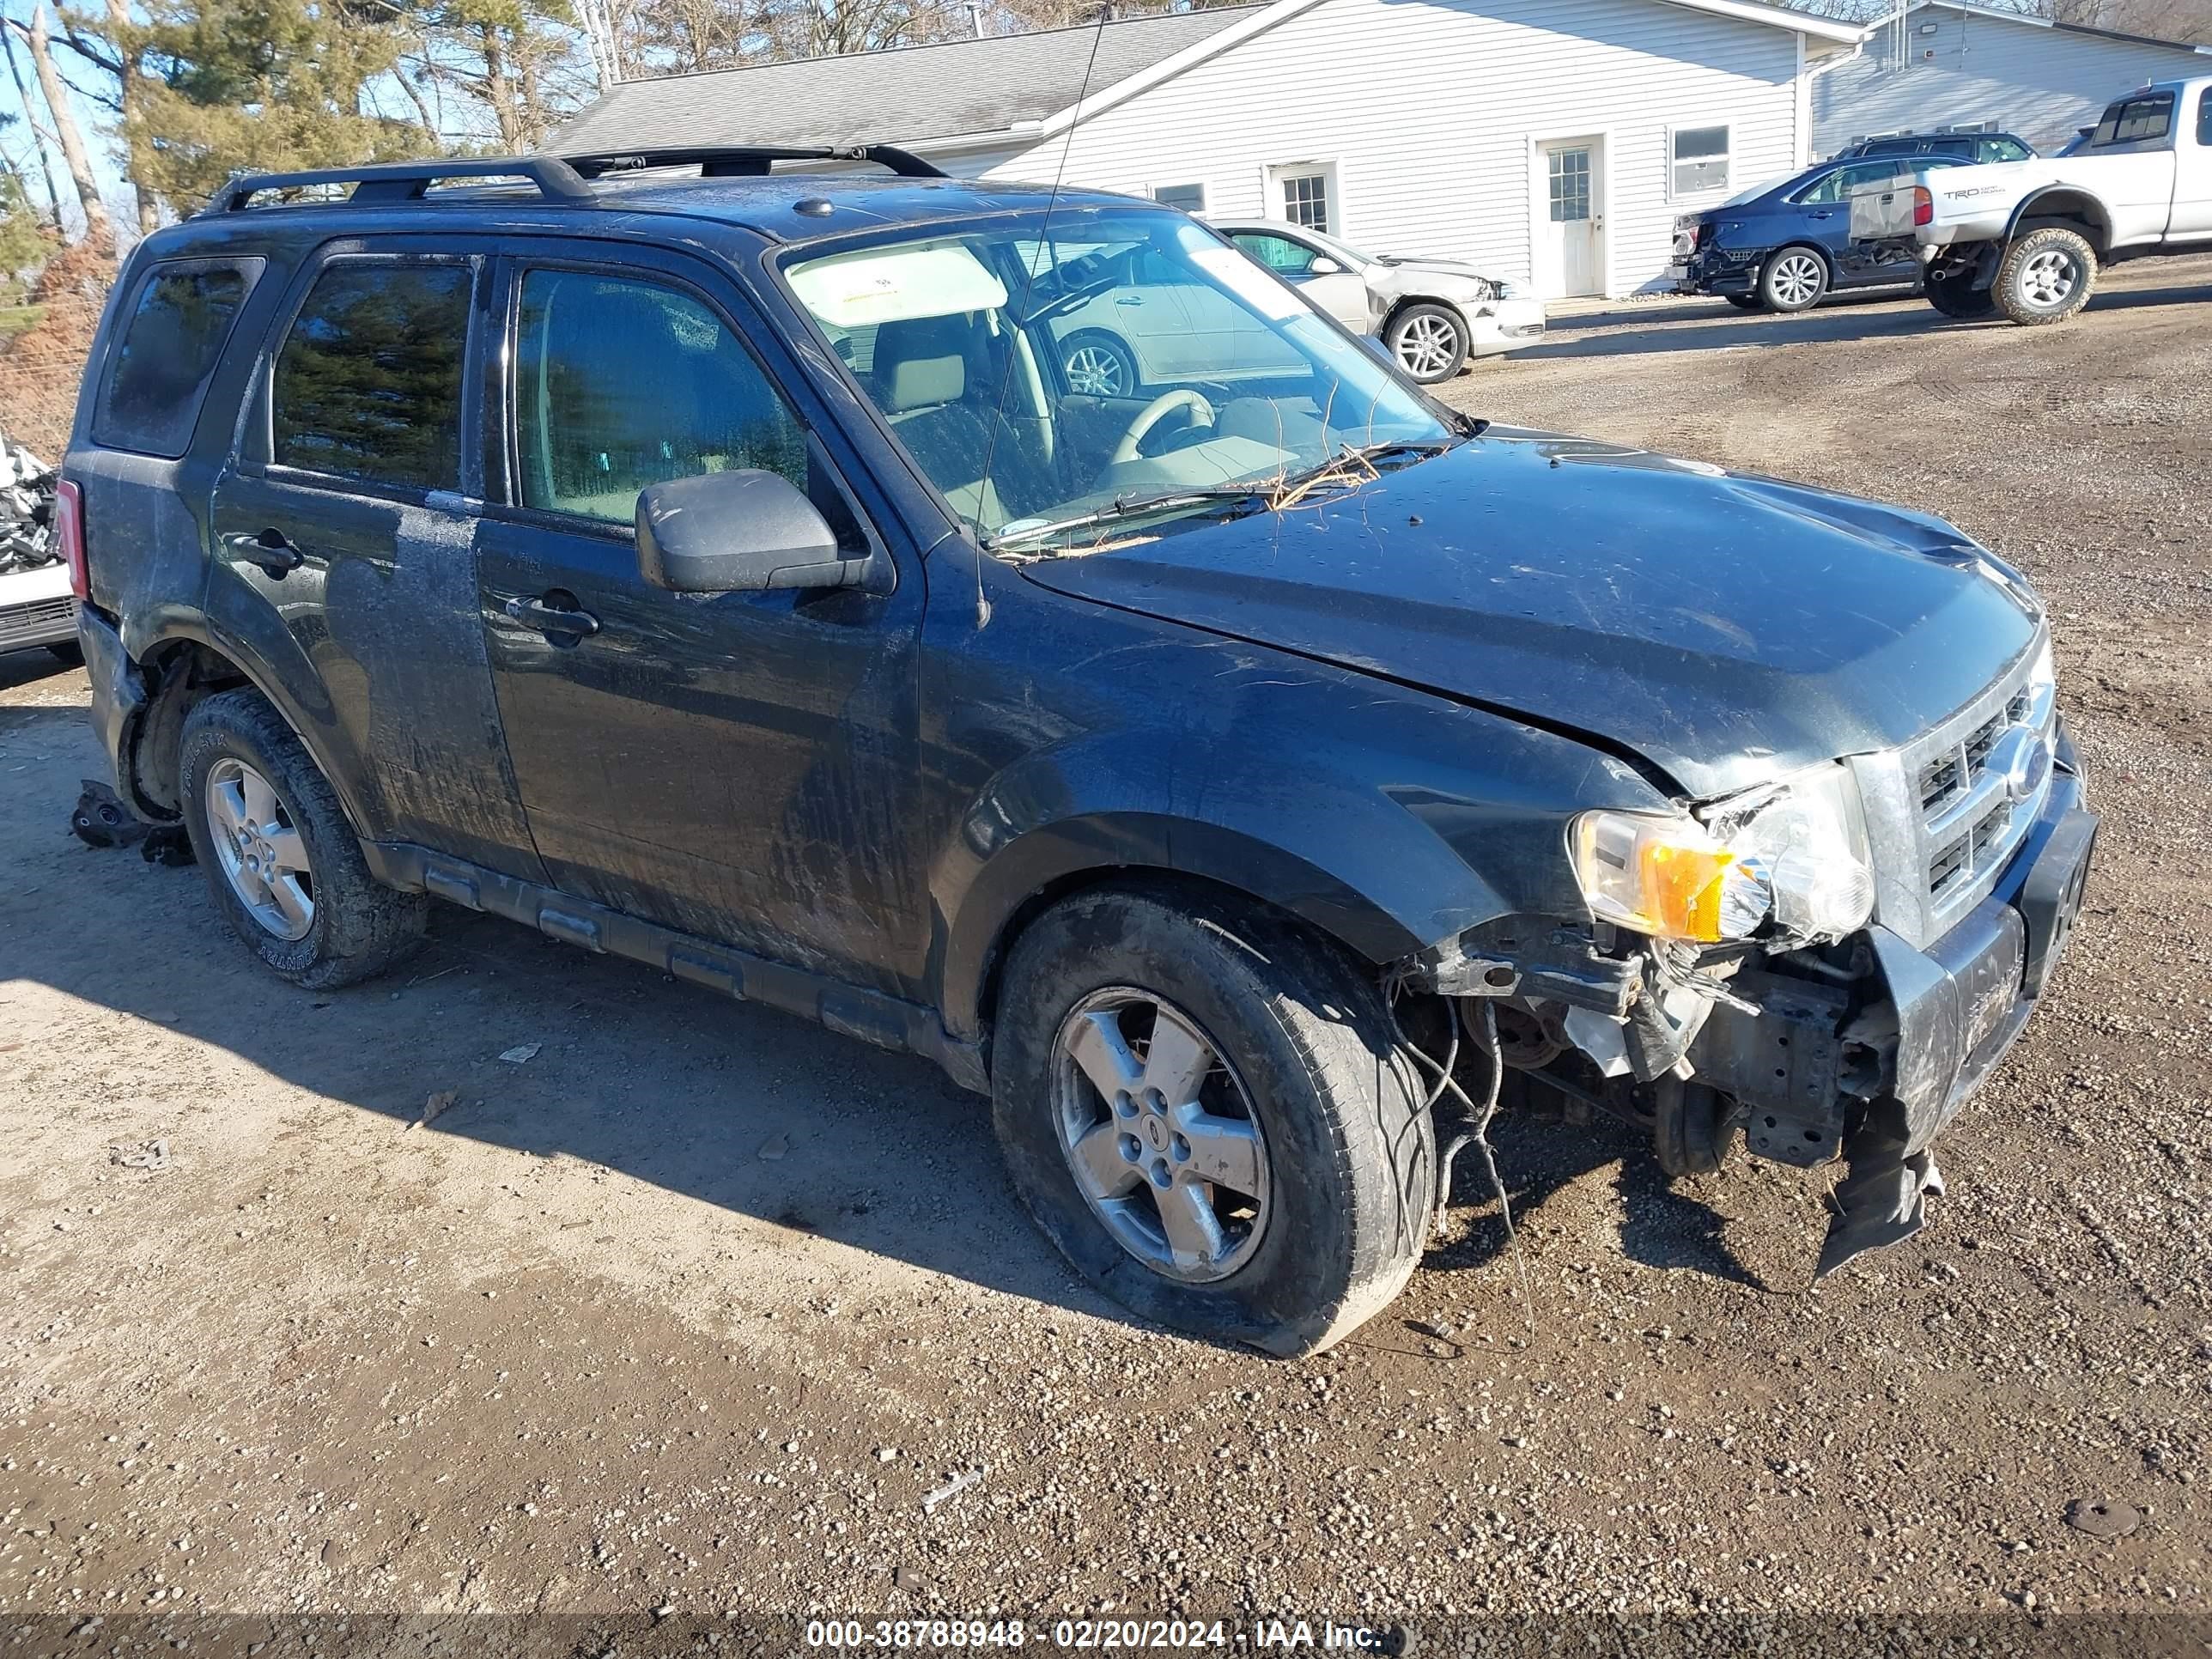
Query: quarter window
point(2204, 119)
point(167, 355)
point(1701, 159)
point(620, 384)
point(368, 383)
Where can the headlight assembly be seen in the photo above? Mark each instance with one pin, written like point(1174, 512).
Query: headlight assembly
point(1793, 853)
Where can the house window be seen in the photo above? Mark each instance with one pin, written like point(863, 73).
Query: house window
point(1184, 199)
point(1305, 199)
point(1701, 159)
point(1569, 179)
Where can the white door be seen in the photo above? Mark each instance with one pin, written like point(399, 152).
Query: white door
point(1570, 257)
point(2192, 172)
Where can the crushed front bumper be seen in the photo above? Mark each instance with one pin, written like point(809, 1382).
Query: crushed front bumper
point(1826, 1068)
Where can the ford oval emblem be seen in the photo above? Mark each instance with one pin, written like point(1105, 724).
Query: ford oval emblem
point(2018, 760)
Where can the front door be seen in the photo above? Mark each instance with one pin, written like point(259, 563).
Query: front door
point(1571, 259)
point(737, 766)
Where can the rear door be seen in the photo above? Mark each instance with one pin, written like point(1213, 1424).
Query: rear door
point(342, 531)
point(742, 767)
point(1340, 292)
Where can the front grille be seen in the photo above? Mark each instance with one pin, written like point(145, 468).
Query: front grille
point(1969, 824)
point(38, 621)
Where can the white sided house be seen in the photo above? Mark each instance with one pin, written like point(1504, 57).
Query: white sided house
point(1552, 141)
point(1954, 64)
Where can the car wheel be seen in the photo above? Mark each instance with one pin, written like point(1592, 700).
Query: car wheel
point(1206, 1109)
point(1794, 279)
point(1953, 293)
point(1429, 341)
point(281, 860)
point(1744, 301)
point(2046, 276)
point(69, 650)
point(1099, 366)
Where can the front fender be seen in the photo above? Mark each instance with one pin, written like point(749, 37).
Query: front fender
point(1385, 816)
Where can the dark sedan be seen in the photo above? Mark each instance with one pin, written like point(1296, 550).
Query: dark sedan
point(1784, 246)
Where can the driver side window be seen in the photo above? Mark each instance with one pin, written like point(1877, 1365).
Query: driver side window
point(1278, 253)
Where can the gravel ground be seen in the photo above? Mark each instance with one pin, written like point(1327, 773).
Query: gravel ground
point(671, 1330)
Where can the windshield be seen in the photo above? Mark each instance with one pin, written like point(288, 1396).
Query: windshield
point(1126, 358)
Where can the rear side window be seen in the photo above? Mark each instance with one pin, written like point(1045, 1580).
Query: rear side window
point(619, 384)
point(166, 355)
point(2205, 119)
point(368, 383)
point(2134, 121)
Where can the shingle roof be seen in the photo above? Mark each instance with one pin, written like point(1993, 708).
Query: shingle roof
point(901, 96)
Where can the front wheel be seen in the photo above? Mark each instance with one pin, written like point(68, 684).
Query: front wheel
point(2046, 276)
point(282, 863)
point(1205, 1109)
point(1429, 341)
point(1793, 280)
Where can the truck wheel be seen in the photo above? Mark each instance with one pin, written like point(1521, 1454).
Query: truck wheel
point(281, 861)
point(2046, 276)
point(1429, 341)
point(1206, 1110)
point(1794, 279)
point(1954, 295)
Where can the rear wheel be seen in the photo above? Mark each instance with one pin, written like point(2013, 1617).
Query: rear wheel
point(1953, 293)
point(1099, 366)
point(1792, 279)
point(1429, 341)
point(281, 861)
point(2046, 276)
point(1206, 1110)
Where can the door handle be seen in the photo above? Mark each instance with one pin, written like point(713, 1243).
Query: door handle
point(1824, 213)
point(267, 549)
point(551, 619)
point(1129, 299)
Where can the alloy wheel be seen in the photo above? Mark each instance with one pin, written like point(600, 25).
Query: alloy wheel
point(1094, 371)
point(2049, 280)
point(1797, 280)
point(260, 850)
point(1160, 1135)
point(1427, 346)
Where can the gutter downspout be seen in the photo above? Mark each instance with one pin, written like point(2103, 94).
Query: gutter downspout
point(1806, 74)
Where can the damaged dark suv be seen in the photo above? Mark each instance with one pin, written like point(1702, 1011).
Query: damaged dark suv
point(1232, 776)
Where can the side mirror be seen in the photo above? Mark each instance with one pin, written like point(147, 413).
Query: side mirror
point(1323, 266)
point(741, 532)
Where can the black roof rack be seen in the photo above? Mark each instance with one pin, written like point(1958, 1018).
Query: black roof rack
point(409, 181)
point(749, 161)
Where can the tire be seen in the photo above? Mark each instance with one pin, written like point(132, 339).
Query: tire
point(1792, 279)
point(1099, 365)
point(353, 926)
point(1745, 301)
point(1309, 1060)
point(2046, 276)
point(1955, 295)
point(1429, 341)
point(69, 650)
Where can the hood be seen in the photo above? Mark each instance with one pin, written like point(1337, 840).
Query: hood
point(1452, 278)
point(1725, 628)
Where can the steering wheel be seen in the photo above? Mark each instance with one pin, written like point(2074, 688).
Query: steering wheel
point(1153, 413)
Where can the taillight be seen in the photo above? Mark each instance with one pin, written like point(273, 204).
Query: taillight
point(69, 534)
point(1924, 206)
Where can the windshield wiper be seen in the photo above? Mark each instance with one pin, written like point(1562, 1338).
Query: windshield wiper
point(1130, 507)
point(1370, 455)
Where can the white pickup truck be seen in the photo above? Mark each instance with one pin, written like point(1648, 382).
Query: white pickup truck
point(2027, 238)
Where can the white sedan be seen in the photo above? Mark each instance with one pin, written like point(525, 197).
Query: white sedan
point(1433, 314)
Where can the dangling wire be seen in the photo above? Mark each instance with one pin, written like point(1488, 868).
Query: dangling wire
point(1476, 1134)
point(1021, 309)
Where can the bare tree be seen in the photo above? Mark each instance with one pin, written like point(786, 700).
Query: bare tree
point(38, 140)
point(97, 229)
